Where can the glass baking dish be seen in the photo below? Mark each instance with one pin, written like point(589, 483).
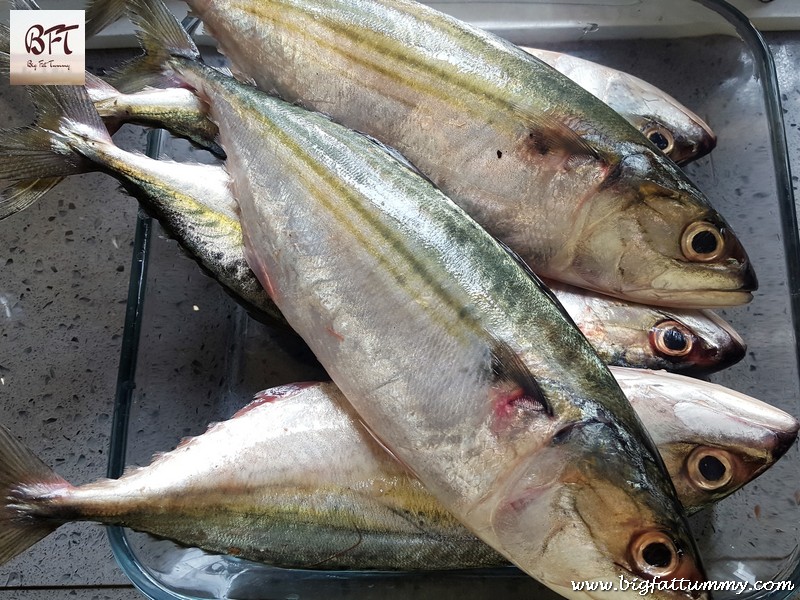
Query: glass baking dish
point(191, 356)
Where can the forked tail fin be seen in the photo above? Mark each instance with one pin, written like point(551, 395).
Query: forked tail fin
point(23, 478)
point(161, 37)
point(37, 157)
point(102, 13)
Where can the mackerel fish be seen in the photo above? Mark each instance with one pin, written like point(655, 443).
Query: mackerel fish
point(542, 164)
point(195, 205)
point(294, 480)
point(622, 333)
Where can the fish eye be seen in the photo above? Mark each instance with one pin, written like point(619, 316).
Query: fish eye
point(702, 242)
point(661, 137)
point(709, 468)
point(654, 554)
point(670, 338)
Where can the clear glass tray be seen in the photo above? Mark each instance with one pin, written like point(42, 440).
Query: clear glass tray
point(191, 355)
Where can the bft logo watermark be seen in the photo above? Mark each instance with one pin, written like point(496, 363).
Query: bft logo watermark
point(48, 47)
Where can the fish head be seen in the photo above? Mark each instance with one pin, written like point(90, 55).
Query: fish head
point(650, 337)
point(680, 134)
point(647, 240)
point(713, 440)
point(693, 341)
point(600, 516)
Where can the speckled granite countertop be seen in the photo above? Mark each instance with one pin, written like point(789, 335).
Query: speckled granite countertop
point(61, 317)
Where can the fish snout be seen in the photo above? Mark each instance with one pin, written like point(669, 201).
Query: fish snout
point(784, 440)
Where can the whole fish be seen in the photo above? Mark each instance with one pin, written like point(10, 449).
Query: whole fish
point(622, 333)
point(669, 125)
point(478, 381)
point(206, 225)
point(542, 164)
point(294, 480)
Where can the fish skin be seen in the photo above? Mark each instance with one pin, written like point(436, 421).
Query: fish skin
point(652, 111)
point(424, 281)
point(649, 109)
point(559, 177)
point(298, 456)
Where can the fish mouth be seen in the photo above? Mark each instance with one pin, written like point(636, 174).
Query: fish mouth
point(712, 357)
point(784, 440)
point(690, 151)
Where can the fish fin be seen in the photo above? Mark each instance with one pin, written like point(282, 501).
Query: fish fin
point(102, 13)
point(47, 150)
point(21, 469)
point(5, 39)
point(24, 5)
point(160, 33)
point(22, 194)
point(5, 48)
point(28, 153)
point(99, 89)
point(138, 74)
point(548, 136)
point(161, 36)
point(510, 372)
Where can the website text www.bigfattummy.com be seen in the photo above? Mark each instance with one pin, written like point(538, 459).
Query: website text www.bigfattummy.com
point(644, 587)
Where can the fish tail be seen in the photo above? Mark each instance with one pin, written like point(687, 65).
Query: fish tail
point(5, 48)
point(24, 5)
point(99, 89)
point(25, 482)
point(102, 13)
point(37, 157)
point(162, 37)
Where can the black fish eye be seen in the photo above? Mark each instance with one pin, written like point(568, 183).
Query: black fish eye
point(671, 338)
point(704, 242)
point(674, 339)
point(661, 142)
point(654, 553)
point(660, 137)
point(711, 468)
point(657, 554)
